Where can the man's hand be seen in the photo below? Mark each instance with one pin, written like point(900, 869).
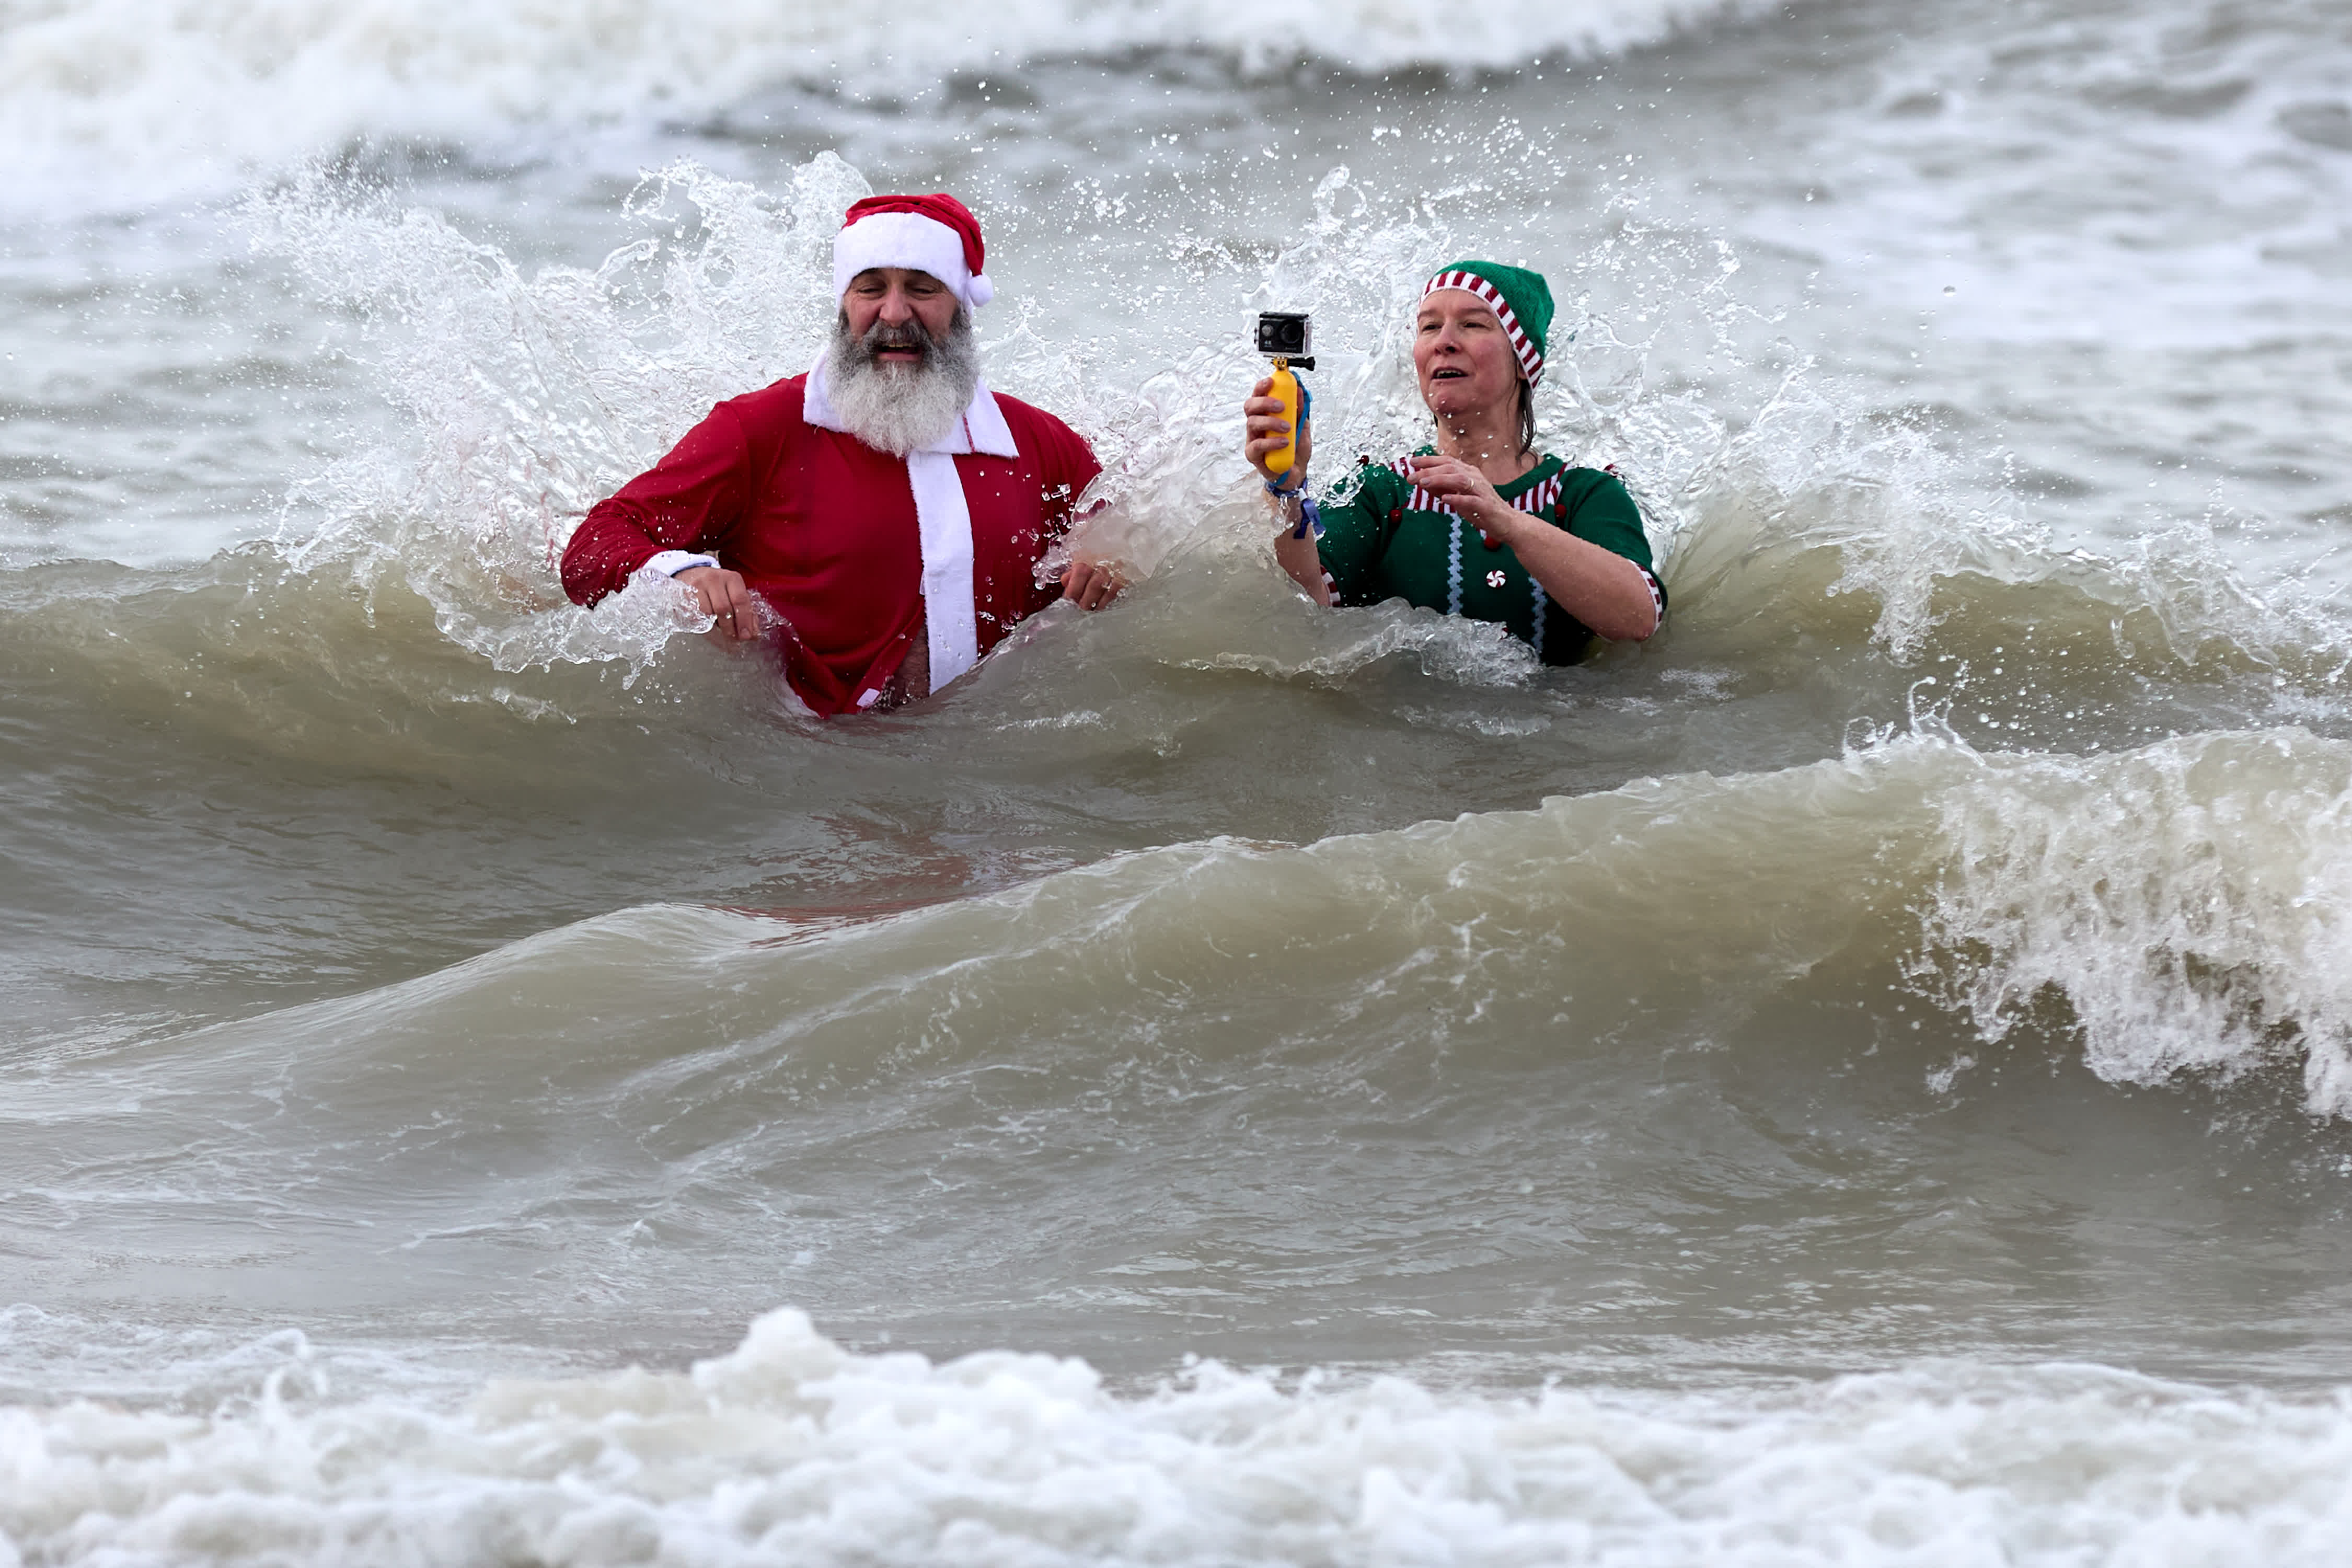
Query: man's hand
point(722, 596)
point(1269, 431)
point(1089, 584)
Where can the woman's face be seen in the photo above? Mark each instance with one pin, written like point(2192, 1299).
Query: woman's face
point(1462, 355)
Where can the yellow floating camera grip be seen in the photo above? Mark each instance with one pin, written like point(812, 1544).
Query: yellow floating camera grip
point(1284, 391)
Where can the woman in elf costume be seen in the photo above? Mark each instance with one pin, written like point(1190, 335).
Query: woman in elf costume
point(1478, 523)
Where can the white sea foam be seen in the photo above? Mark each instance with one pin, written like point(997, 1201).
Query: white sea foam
point(2225, 120)
point(128, 102)
point(2191, 902)
point(792, 1449)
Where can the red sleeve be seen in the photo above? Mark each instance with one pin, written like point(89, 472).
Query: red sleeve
point(1066, 466)
point(1073, 464)
point(691, 500)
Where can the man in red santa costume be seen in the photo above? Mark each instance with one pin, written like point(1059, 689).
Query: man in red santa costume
point(887, 506)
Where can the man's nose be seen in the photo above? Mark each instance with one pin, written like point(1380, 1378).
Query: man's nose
point(897, 309)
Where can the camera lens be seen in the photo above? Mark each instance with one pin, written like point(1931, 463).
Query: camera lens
point(1290, 336)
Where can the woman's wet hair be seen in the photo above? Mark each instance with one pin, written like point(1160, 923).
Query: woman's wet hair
point(1526, 418)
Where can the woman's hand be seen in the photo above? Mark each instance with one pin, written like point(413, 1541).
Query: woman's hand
point(1598, 586)
point(1270, 432)
point(1470, 493)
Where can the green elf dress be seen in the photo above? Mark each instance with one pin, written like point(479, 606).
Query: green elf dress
point(1383, 537)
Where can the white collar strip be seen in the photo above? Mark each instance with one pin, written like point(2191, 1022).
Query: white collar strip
point(942, 518)
point(1538, 499)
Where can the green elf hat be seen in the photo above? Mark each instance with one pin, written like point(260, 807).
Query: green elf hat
point(1520, 299)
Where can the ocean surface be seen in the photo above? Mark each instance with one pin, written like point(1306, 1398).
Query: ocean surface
point(1864, 1077)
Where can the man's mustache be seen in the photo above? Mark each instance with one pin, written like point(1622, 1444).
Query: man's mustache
point(904, 335)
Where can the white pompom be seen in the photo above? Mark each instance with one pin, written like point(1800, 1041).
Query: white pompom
point(980, 290)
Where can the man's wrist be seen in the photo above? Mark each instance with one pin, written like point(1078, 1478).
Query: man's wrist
point(670, 562)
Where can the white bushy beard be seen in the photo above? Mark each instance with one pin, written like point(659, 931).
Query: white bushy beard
point(895, 408)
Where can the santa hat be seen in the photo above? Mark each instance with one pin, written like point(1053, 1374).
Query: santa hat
point(1520, 299)
point(934, 233)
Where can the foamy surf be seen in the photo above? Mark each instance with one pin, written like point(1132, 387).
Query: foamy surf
point(791, 1448)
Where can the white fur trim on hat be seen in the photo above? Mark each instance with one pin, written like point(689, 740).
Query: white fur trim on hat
point(907, 239)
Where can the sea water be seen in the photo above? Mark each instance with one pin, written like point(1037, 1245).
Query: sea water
point(1864, 1077)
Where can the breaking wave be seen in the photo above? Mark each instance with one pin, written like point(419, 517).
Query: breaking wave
point(125, 102)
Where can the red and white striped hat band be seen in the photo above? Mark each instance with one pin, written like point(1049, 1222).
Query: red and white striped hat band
point(1531, 361)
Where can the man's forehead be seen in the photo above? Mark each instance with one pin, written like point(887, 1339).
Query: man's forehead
point(911, 277)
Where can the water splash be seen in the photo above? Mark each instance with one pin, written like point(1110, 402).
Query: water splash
point(529, 399)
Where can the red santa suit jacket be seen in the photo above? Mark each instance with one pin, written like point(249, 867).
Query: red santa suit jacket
point(844, 539)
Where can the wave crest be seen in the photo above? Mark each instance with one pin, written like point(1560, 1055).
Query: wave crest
point(2188, 902)
point(129, 101)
